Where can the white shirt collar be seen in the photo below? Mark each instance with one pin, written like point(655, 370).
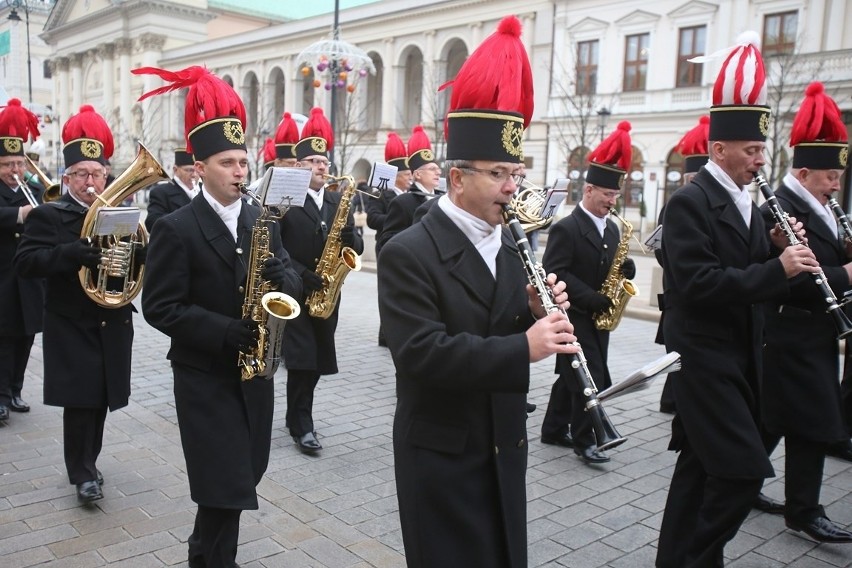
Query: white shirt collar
point(600, 222)
point(229, 214)
point(317, 196)
point(740, 197)
point(190, 192)
point(422, 188)
point(821, 210)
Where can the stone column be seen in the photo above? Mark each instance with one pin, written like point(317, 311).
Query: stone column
point(106, 52)
point(837, 17)
point(76, 63)
point(389, 85)
point(121, 128)
point(431, 82)
point(63, 90)
point(153, 108)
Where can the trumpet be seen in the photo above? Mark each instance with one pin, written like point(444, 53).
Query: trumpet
point(842, 219)
point(25, 189)
point(52, 190)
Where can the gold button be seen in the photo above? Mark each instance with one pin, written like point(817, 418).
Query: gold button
point(103, 324)
point(242, 289)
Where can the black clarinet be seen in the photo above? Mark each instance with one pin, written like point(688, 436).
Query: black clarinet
point(841, 321)
point(842, 219)
point(605, 433)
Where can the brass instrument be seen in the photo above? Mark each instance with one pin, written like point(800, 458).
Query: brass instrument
point(25, 189)
point(842, 219)
point(266, 307)
point(616, 287)
point(52, 190)
point(118, 267)
point(527, 204)
point(337, 260)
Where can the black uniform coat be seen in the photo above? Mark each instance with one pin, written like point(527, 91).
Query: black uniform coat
point(462, 367)
point(164, 198)
point(401, 214)
point(800, 391)
point(377, 212)
point(87, 348)
point(21, 300)
point(717, 274)
point(309, 342)
point(193, 289)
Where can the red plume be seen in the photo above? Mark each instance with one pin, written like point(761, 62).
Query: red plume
point(742, 78)
point(288, 130)
point(616, 149)
point(395, 147)
point(318, 125)
point(695, 142)
point(89, 124)
point(419, 140)
point(497, 74)
point(818, 118)
point(268, 151)
point(17, 121)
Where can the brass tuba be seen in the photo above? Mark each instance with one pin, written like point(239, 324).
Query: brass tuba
point(52, 190)
point(616, 287)
point(118, 278)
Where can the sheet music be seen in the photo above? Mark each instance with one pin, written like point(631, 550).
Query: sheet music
point(561, 184)
point(655, 239)
point(119, 221)
point(287, 186)
point(382, 176)
point(555, 198)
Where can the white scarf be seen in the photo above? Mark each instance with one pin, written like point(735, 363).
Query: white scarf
point(740, 196)
point(485, 238)
point(317, 195)
point(821, 210)
point(600, 222)
point(229, 214)
point(190, 192)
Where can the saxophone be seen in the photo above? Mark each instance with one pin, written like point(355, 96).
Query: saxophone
point(616, 287)
point(337, 260)
point(269, 309)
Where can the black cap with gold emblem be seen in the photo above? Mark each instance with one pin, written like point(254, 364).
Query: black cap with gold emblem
point(609, 162)
point(485, 135)
point(216, 135)
point(17, 125)
point(818, 136)
point(87, 138)
point(183, 158)
point(419, 149)
point(317, 136)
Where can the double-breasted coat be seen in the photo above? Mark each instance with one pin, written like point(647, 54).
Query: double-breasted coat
point(462, 366)
point(800, 391)
point(194, 288)
point(87, 348)
point(401, 214)
point(308, 341)
point(164, 198)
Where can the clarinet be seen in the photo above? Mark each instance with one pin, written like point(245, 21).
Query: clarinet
point(605, 433)
point(841, 321)
point(842, 219)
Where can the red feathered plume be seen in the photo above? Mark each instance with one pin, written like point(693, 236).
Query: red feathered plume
point(17, 121)
point(288, 130)
point(419, 140)
point(318, 125)
point(497, 74)
point(268, 151)
point(395, 147)
point(616, 150)
point(208, 97)
point(89, 124)
point(818, 118)
point(742, 78)
point(695, 141)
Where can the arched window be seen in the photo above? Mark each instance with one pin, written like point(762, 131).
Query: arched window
point(412, 99)
point(307, 92)
point(251, 90)
point(674, 174)
point(578, 163)
point(276, 98)
point(371, 91)
point(631, 191)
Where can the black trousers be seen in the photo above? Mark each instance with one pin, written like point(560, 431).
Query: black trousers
point(213, 542)
point(803, 467)
point(557, 419)
point(83, 437)
point(300, 401)
point(15, 354)
point(702, 514)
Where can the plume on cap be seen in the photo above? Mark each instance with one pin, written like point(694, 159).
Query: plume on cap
point(318, 126)
point(419, 140)
point(742, 78)
point(695, 142)
point(18, 122)
point(818, 118)
point(497, 74)
point(89, 124)
point(395, 147)
point(288, 130)
point(268, 151)
point(616, 149)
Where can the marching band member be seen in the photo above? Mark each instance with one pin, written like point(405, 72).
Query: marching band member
point(286, 137)
point(170, 196)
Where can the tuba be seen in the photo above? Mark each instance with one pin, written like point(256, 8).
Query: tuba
point(118, 278)
point(337, 260)
point(52, 190)
point(616, 287)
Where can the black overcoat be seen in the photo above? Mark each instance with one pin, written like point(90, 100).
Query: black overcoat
point(308, 341)
point(717, 275)
point(164, 198)
point(800, 391)
point(462, 366)
point(401, 214)
point(87, 348)
point(21, 300)
point(377, 212)
point(193, 289)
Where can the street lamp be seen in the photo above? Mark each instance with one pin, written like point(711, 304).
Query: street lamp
point(603, 116)
point(15, 18)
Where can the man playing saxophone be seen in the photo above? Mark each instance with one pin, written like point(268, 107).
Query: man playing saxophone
point(580, 250)
point(195, 286)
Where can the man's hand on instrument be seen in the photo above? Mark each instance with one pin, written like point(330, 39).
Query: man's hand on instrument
point(311, 281)
point(628, 269)
point(779, 237)
point(551, 334)
point(598, 303)
point(241, 335)
point(560, 296)
point(347, 236)
point(797, 259)
point(274, 271)
point(81, 253)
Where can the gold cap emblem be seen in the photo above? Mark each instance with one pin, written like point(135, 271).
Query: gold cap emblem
point(427, 154)
point(12, 145)
point(318, 145)
point(764, 123)
point(91, 149)
point(512, 139)
point(844, 155)
point(234, 132)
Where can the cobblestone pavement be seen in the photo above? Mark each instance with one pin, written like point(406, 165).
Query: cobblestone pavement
point(339, 509)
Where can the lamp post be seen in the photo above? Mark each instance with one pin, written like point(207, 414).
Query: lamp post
point(603, 116)
point(14, 17)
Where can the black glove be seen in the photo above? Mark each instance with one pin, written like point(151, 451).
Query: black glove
point(241, 335)
point(628, 269)
point(598, 303)
point(82, 253)
point(347, 236)
point(311, 281)
point(140, 254)
point(273, 270)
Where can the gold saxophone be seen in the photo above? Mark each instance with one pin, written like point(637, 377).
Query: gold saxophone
point(616, 287)
point(337, 260)
point(269, 309)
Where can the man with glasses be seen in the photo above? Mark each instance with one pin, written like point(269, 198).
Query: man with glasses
point(166, 197)
point(580, 250)
point(309, 349)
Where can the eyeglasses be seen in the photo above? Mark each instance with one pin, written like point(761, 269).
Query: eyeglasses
point(608, 193)
point(317, 161)
point(83, 176)
point(17, 164)
point(498, 176)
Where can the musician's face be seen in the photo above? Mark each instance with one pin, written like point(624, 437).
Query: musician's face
point(822, 184)
point(599, 200)
point(319, 168)
point(285, 163)
point(429, 176)
point(82, 176)
point(223, 174)
point(186, 174)
point(483, 191)
point(740, 159)
point(10, 166)
point(403, 179)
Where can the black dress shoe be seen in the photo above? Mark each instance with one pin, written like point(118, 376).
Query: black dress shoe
point(590, 455)
point(821, 529)
point(565, 440)
point(768, 505)
point(530, 408)
point(89, 491)
point(4, 412)
point(18, 405)
point(308, 443)
point(842, 451)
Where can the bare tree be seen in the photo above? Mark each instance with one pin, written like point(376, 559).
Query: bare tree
point(352, 127)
